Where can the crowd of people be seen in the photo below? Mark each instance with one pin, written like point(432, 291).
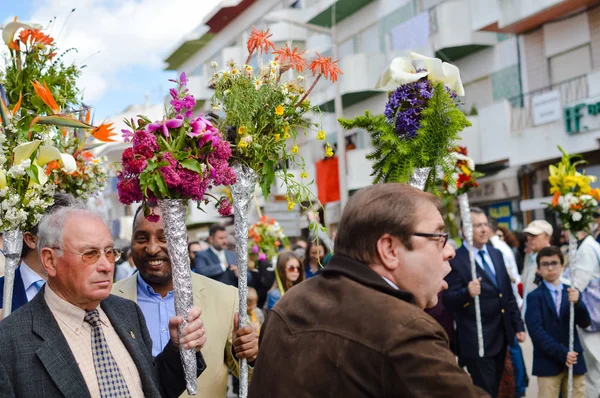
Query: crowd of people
point(390, 314)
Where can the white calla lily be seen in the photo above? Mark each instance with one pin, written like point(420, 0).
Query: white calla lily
point(42, 177)
point(9, 30)
point(3, 182)
point(442, 72)
point(400, 71)
point(69, 163)
point(24, 151)
point(47, 154)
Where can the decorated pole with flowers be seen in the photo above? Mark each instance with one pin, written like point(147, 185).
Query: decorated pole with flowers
point(38, 93)
point(459, 183)
point(420, 122)
point(172, 161)
point(575, 203)
point(263, 113)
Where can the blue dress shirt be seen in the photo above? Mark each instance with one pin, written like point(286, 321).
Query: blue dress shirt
point(556, 293)
point(157, 310)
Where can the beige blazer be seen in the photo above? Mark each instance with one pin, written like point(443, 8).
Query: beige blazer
point(219, 303)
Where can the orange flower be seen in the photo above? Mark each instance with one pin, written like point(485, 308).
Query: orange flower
point(53, 165)
point(87, 156)
point(45, 95)
point(104, 132)
point(326, 67)
point(555, 198)
point(36, 36)
point(264, 219)
point(292, 58)
point(277, 243)
point(17, 105)
point(259, 40)
point(88, 115)
point(595, 193)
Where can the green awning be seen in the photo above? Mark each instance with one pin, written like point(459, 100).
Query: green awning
point(186, 50)
point(343, 9)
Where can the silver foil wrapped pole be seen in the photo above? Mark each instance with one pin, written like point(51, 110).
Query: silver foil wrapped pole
point(174, 223)
point(13, 244)
point(419, 178)
point(242, 192)
point(465, 214)
point(572, 267)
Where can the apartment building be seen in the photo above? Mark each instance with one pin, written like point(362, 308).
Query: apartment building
point(530, 70)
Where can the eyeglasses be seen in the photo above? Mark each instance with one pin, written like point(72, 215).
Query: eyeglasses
point(292, 268)
point(442, 237)
point(93, 255)
point(547, 264)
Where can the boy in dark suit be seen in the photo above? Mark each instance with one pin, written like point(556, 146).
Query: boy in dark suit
point(547, 319)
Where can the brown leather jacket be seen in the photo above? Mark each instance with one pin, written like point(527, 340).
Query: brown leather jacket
point(348, 333)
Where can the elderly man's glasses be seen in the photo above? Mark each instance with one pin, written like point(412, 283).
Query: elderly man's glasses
point(91, 256)
point(442, 237)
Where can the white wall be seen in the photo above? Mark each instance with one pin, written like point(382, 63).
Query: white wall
point(488, 61)
point(367, 16)
point(512, 11)
point(483, 13)
point(531, 145)
point(471, 138)
point(567, 34)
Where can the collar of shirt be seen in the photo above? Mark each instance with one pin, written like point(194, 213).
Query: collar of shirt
point(553, 288)
point(29, 276)
point(476, 250)
point(69, 314)
point(392, 284)
point(146, 290)
point(219, 253)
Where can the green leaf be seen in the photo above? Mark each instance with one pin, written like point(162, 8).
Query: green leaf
point(32, 172)
point(191, 164)
point(161, 183)
point(63, 121)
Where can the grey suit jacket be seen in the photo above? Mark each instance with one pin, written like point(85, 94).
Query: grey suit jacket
point(36, 360)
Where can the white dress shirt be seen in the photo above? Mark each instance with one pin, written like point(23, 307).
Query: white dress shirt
point(30, 277)
point(222, 258)
point(511, 265)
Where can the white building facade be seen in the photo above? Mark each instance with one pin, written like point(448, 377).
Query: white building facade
point(531, 71)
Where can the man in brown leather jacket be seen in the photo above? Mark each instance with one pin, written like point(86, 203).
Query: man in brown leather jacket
point(359, 329)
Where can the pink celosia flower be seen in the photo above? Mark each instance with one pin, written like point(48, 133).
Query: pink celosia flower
point(144, 144)
point(262, 257)
point(129, 189)
point(225, 208)
point(131, 163)
point(255, 249)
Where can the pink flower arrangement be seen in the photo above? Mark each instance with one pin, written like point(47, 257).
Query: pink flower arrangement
point(179, 157)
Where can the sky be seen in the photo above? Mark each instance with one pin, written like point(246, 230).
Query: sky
point(122, 44)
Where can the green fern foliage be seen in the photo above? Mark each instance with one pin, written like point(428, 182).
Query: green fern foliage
point(395, 158)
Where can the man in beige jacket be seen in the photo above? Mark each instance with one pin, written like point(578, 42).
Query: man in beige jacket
point(152, 289)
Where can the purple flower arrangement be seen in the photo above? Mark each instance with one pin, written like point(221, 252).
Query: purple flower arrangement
point(405, 104)
point(179, 157)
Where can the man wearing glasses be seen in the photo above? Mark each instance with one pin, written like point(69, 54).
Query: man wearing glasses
point(73, 339)
point(358, 328)
point(501, 319)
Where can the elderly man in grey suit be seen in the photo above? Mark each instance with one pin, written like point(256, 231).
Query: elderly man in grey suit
point(74, 339)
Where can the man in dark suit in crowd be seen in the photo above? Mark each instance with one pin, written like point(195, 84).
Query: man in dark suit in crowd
point(500, 316)
point(217, 262)
point(74, 339)
point(30, 275)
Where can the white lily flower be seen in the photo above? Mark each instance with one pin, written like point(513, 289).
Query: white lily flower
point(24, 151)
point(2, 179)
point(8, 33)
point(400, 71)
point(69, 163)
point(442, 72)
point(47, 154)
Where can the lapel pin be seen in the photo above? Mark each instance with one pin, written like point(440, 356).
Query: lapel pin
point(132, 335)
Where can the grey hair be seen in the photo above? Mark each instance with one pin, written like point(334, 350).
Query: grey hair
point(50, 230)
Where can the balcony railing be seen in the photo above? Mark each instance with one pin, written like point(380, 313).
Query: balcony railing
point(522, 107)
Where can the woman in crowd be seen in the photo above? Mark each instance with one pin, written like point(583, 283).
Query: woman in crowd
point(288, 274)
point(315, 258)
